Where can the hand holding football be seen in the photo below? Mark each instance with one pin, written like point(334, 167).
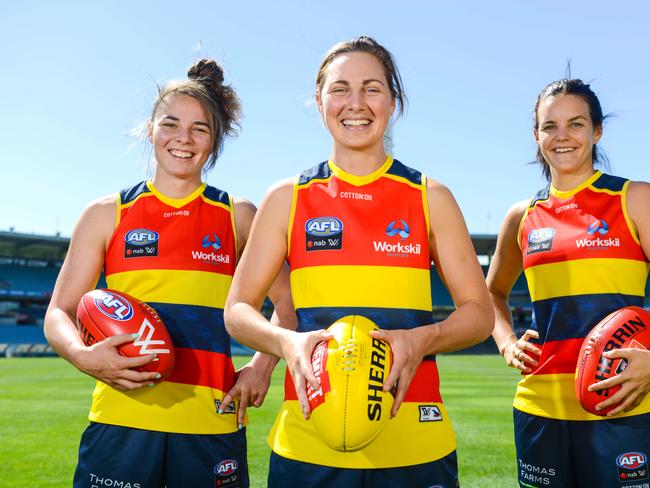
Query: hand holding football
point(106, 313)
point(351, 408)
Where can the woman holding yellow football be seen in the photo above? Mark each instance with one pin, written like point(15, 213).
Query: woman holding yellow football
point(359, 232)
point(583, 242)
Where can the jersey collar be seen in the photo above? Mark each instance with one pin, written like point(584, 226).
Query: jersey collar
point(360, 180)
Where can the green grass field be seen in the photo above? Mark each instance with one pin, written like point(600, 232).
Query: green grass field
point(44, 403)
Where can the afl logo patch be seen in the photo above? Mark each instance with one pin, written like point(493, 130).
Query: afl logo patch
point(540, 240)
point(114, 306)
point(140, 243)
point(323, 226)
point(324, 233)
point(631, 460)
point(632, 466)
point(225, 473)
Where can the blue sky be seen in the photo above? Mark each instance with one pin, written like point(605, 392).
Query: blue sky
point(77, 76)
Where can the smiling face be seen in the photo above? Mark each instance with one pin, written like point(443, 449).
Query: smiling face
point(356, 104)
point(566, 135)
point(181, 138)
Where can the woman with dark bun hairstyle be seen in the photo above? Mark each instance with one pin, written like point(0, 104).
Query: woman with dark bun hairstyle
point(583, 242)
point(387, 223)
point(189, 429)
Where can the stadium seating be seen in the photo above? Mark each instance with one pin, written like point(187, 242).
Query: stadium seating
point(26, 283)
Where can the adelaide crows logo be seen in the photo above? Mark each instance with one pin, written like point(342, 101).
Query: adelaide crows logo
point(404, 231)
point(599, 226)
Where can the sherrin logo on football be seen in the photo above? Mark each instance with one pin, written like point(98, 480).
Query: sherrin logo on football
point(351, 408)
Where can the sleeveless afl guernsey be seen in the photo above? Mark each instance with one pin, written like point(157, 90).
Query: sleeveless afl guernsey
point(359, 245)
point(582, 261)
point(179, 256)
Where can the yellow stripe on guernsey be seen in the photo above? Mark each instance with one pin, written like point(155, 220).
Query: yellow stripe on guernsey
point(174, 286)
point(419, 442)
point(586, 276)
point(553, 396)
point(161, 405)
point(372, 286)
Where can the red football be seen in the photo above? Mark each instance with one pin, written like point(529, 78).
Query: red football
point(628, 327)
point(106, 313)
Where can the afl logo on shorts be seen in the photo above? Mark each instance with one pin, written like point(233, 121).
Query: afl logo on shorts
point(324, 233)
point(225, 473)
point(140, 243)
point(114, 306)
point(540, 240)
point(631, 460)
point(632, 466)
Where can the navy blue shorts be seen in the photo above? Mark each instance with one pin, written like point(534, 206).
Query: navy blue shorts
point(114, 456)
point(608, 453)
point(290, 473)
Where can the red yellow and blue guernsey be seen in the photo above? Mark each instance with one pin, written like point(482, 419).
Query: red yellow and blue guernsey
point(583, 260)
point(178, 255)
point(358, 245)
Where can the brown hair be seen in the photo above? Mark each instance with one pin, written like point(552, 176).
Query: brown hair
point(578, 88)
point(219, 102)
point(368, 45)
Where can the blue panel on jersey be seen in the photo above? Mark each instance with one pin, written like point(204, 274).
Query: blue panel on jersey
point(195, 327)
point(129, 194)
point(216, 195)
point(576, 315)
point(387, 318)
point(399, 169)
point(609, 182)
point(540, 196)
point(319, 172)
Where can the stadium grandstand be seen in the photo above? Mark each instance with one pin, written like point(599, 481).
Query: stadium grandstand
point(30, 264)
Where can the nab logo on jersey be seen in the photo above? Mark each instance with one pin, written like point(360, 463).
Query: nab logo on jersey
point(324, 233)
point(114, 306)
point(140, 243)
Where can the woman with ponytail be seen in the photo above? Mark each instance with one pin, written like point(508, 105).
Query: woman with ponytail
point(189, 429)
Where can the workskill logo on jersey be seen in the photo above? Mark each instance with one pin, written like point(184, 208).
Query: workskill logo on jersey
point(397, 231)
point(226, 473)
point(632, 466)
point(540, 240)
point(139, 243)
point(323, 234)
point(597, 230)
point(208, 254)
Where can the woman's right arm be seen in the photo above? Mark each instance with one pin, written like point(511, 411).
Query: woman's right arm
point(505, 268)
point(79, 274)
point(260, 263)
